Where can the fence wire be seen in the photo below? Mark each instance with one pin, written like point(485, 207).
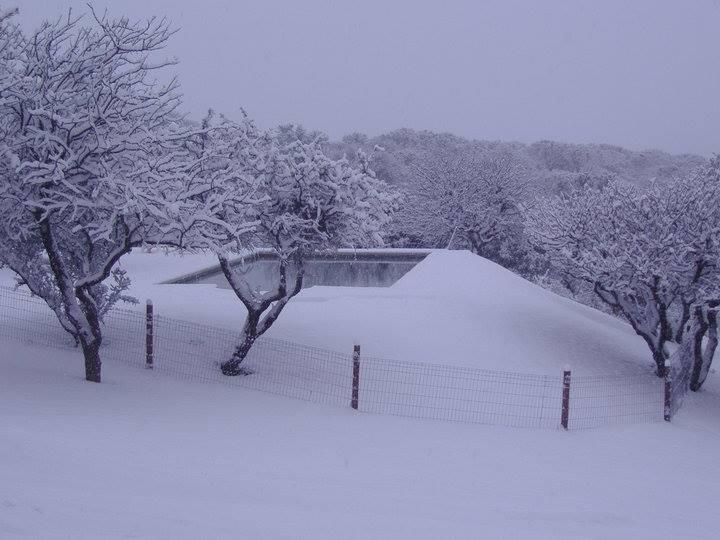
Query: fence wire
point(459, 394)
point(194, 352)
point(680, 369)
point(599, 400)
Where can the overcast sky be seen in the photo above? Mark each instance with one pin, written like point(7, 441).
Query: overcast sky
point(640, 73)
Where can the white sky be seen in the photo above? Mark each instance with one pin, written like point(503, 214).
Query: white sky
point(640, 73)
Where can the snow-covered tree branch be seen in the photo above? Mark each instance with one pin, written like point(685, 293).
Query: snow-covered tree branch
point(650, 254)
point(85, 133)
point(311, 204)
point(460, 200)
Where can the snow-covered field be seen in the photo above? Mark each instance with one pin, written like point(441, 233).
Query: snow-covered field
point(145, 456)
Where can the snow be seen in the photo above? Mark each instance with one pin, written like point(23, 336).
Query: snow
point(144, 456)
point(472, 312)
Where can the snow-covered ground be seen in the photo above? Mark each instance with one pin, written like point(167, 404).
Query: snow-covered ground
point(453, 308)
point(145, 456)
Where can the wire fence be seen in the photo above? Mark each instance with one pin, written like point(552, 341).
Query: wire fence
point(680, 369)
point(194, 352)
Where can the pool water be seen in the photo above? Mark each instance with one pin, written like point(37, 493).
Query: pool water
point(353, 270)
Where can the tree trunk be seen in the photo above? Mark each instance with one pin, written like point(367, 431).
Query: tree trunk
point(93, 339)
point(83, 319)
point(659, 358)
point(704, 326)
point(682, 323)
point(655, 338)
point(256, 324)
point(232, 367)
point(91, 352)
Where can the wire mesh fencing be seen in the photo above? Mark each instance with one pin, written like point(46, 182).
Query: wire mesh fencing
point(680, 369)
point(28, 319)
point(194, 352)
point(600, 400)
point(459, 394)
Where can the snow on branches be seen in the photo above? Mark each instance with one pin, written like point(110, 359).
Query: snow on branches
point(85, 127)
point(94, 160)
point(650, 254)
point(315, 203)
point(211, 186)
point(461, 200)
point(311, 204)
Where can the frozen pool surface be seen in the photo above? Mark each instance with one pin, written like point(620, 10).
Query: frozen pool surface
point(353, 269)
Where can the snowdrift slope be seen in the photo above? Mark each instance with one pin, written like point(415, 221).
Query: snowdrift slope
point(518, 324)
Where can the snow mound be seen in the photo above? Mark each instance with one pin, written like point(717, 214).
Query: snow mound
point(522, 325)
point(455, 271)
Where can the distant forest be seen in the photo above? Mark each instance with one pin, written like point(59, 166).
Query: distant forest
point(551, 167)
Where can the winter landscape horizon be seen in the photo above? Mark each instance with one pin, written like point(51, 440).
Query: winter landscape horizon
point(381, 270)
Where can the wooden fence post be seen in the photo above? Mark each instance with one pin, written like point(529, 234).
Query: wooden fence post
point(356, 377)
point(667, 410)
point(565, 416)
point(149, 334)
